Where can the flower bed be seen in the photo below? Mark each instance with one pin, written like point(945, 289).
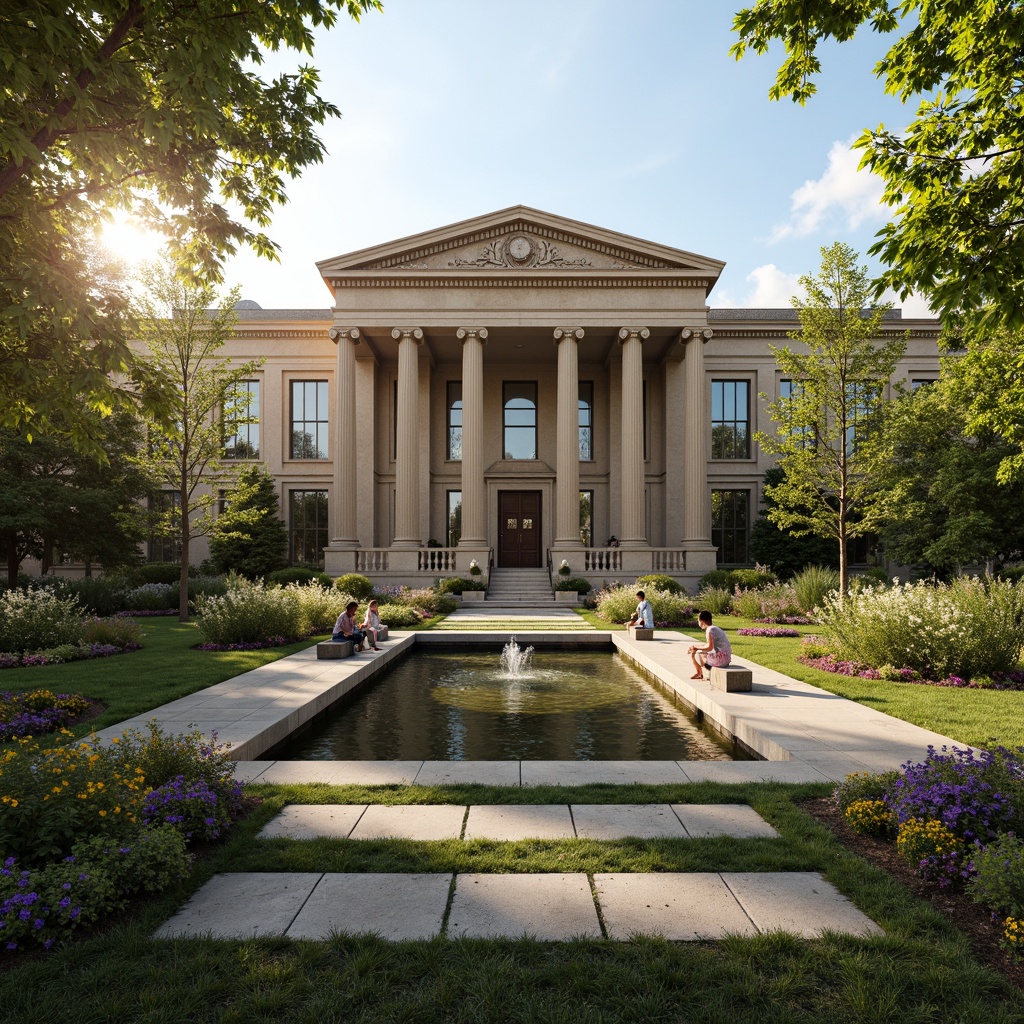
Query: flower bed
point(786, 620)
point(255, 645)
point(38, 712)
point(830, 663)
point(767, 632)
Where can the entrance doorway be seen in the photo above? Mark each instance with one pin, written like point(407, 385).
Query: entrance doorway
point(519, 529)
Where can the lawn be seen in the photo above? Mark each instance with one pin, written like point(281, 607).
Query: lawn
point(921, 970)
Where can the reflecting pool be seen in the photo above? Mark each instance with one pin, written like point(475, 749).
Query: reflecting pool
point(561, 705)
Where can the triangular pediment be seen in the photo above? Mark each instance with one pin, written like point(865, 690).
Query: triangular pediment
point(520, 239)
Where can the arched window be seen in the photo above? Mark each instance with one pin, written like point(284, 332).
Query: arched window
point(520, 419)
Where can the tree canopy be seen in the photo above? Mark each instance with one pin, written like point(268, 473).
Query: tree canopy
point(955, 176)
point(142, 105)
point(838, 373)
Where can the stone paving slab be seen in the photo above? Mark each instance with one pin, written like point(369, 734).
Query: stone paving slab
point(313, 821)
point(797, 901)
point(618, 821)
point(242, 905)
point(751, 771)
point(738, 821)
point(423, 822)
point(457, 773)
point(550, 908)
point(685, 906)
point(519, 821)
point(344, 773)
point(393, 906)
point(249, 771)
point(581, 773)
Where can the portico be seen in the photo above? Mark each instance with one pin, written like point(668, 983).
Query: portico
point(515, 388)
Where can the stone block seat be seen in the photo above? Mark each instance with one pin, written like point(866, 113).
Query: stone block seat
point(732, 679)
point(640, 633)
point(333, 649)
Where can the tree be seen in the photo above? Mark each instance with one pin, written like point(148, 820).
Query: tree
point(249, 535)
point(184, 331)
point(55, 497)
point(955, 176)
point(824, 443)
point(955, 513)
point(144, 106)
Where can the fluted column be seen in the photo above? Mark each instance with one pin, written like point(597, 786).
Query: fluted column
point(697, 431)
point(474, 498)
point(342, 508)
point(567, 463)
point(632, 468)
point(407, 483)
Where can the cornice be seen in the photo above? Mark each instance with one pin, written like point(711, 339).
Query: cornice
point(278, 332)
point(523, 279)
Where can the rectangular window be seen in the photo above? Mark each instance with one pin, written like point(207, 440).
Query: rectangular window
point(309, 419)
point(730, 419)
point(730, 526)
point(455, 420)
point(242, 422)
point(921, 382)
point(586, 420)
point(307, 530)
point(519, 419)
point(454, 530)
point(165, 538)
point(587, 518)
point(861, 397)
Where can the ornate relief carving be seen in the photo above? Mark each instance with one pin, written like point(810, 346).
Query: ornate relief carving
point(520, 251)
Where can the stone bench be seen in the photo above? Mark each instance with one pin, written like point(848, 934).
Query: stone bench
point(640, 633)
point(732, 679)
point(333, 649)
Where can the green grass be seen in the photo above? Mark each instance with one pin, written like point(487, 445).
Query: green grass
point(921, 971)
point(131, 684)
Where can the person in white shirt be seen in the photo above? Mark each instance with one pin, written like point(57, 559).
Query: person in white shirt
point(716, 653)
point(644, 614)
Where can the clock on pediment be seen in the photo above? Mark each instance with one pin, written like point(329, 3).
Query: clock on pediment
point(519, 248)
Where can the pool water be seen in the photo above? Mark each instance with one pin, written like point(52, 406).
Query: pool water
point(457, 706)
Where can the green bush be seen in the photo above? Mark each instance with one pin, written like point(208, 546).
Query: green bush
point(966, 628)
point(716, 578)
point(249, 536)
point(428, 600)
point(250, 613)
point(577, 583)
point(775, 601)
point(458, 585)
point(202, 585)
point(359, 586)
point(319, 608)
point(293, 574)
point(617, 604)
point(116, 631)
point(156, 572)
point(717, 600)
point(813, 585)
point(98, 595)
point(998, 880)
point(152, 597)
point(1013, 573)
point(659, 581)
point(399, 616)
point(37, 619)
point(753, 579)
point(863, 786)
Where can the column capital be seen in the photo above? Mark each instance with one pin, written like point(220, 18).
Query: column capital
point(401, 333)
point(480, 333)
point(633, 332)
point(567, 333)
point(351, 333)
point(703, 334)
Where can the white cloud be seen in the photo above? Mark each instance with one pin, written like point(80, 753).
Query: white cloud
point(843, 191)
point(913, 305)
point(772, 289)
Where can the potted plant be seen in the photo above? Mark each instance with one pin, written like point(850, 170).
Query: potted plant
point(564, 569)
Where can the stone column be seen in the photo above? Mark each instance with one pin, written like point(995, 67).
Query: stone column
point(696, 435)
point(407, 482)
point(567, 463)
point(632, 455)
point(342, 508)
point(474, 497)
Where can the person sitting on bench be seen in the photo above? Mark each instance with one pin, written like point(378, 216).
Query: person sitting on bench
point(717, 653)
point(345, 628)
point(644, 614)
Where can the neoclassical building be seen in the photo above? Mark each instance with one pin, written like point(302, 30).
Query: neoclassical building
point(519, 389)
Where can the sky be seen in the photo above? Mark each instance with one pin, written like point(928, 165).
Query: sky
point(632, 117)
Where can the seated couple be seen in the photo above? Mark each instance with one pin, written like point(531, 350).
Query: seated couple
point(716, 653)
point(346, 629)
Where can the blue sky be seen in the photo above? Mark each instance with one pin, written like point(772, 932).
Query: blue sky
point(630, 116)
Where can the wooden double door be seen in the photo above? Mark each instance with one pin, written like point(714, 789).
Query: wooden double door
point(519, 541)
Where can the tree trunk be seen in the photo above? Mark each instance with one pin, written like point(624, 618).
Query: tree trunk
point(13, 561)
point(185, 538)
point(843, 570)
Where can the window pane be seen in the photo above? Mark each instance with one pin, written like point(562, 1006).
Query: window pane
point(586, 420)
point(730, 419)
point(587, 518)
point(455, 420)
point(307, 527)
point(454, 533)
point(242, 422)
point(730, 517)
point(520, 419)
point(309, 419)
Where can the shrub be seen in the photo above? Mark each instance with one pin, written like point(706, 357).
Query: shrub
point(152, 597)
point(160, 757)
point(964, 628)
point(577, 583)
point(659, 581)
point(616, 604)
point(716, 578)
point(197, 809)
point(37, 619)
point(870, 818)
point(458, 585)
point(933, 849)
point(748, 603)
point(813, 585)
point(250, 612)
point(293, 574)
point(862, 786)
point(203, 585)
point(116, 631)
point(717, 600)
point(98, 595)
point(157, 572)
point(319, 608)
point(428, 600)
point(753, 579)
point(997, 875)
point(399, 616)
point(38, 712)
point(812, 647)
point(360, 587)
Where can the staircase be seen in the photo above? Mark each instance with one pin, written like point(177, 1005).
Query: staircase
point(519, 588)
